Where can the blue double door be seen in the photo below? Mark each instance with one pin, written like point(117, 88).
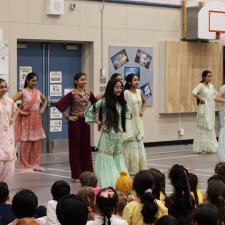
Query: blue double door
point(43, 59)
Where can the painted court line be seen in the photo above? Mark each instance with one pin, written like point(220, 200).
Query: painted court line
point(172, 157)
point(54, 169)
point(167, 152)
point(53, 175)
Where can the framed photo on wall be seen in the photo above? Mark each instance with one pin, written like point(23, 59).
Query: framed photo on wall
point(119, 59)
point(143, 58)
point(138, 60)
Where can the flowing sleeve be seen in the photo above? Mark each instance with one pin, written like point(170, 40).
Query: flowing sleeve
point(197, 89)
point(90, 114)
point(65, 102)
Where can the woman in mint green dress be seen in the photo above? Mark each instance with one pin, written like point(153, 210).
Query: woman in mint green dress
point(220, 97)
point(133, 147)
point(205, 136)
point(110, 114)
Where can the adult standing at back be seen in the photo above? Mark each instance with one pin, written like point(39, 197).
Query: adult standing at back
point(205, 136)
point(78, 101)
point(29, 130)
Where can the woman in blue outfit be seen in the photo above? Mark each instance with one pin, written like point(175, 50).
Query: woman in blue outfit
point(220, 97)
point(110, 114)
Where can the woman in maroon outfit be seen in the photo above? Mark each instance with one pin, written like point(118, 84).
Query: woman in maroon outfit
point(78, 131)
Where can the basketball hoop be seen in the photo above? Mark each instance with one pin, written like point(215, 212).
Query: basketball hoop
point(217, 22)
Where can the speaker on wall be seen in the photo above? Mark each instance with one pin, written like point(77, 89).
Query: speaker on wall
point(55, 7)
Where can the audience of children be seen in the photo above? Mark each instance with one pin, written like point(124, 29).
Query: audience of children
point(88, 179)
point(159, 184)
point(146, 209)
point(195, 191)
point(132, 203)
point(167, 220)
point(180, 203)
point(124, 183)
point(205, 214)
point(59, 189)
point(88, 197)
point(6, 212)
point(216, 197)
point(106, 203)
point(71, 210)
point(24, 205)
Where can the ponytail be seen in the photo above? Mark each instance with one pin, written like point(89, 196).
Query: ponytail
point(149, 209)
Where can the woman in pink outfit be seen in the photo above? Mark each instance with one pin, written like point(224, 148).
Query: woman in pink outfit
point(8, 114)
point(29, 130)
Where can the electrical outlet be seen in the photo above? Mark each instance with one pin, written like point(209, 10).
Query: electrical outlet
point(181, 131)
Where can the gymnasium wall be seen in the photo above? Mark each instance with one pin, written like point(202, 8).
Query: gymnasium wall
point(124, 25)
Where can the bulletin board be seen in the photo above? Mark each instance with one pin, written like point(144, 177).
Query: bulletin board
point(137, 60)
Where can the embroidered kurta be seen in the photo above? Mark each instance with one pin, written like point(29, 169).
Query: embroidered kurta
point(133, 147)
point(109, 160)
point(78, 131)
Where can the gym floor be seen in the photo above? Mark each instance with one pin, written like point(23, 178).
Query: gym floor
point(57, 167)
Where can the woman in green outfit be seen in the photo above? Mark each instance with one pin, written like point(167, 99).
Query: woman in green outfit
point(110, 114)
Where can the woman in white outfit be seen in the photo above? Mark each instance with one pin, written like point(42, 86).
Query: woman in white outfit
point(205, 136)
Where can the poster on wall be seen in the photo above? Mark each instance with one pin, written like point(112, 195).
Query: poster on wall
point(55, 125)
point(55, 90)
point(137, 60)
point(55, 113)
point(55, 77)
point(23, 71)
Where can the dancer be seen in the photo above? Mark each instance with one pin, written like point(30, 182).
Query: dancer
point(220, 97)
point(133, 148)
point(78, 131)
point(8, 113)
point(29, 130)
point(111, 112)
point(116, 76)
point(205, 137)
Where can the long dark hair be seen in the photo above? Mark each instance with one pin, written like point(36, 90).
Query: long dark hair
point(107, 205)
point(129, 79)
point(182, 203)
point(193, 183)
point(110, 110)
point(216, 196)
point(29, 77)
point(159, 184)
point(77, 77)
point(142, 184)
